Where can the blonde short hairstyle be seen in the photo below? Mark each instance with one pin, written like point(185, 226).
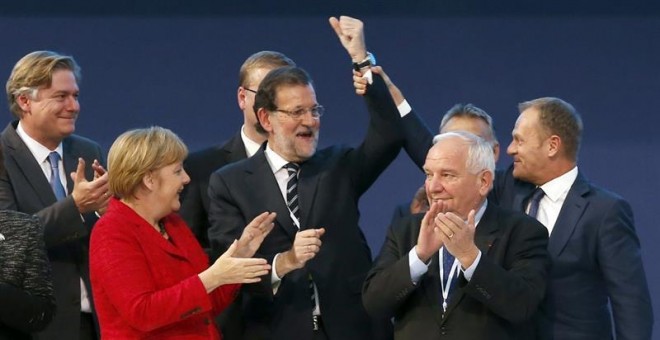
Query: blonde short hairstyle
point(137, 152)
point(35, 71)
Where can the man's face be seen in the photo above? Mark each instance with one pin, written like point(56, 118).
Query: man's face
point(475, 126)
point(448, 179)
point(246, 96)
point(294, 139)
point(529, 148)
point(51, 116)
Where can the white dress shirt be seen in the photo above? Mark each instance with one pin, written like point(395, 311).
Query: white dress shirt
point(556, 191)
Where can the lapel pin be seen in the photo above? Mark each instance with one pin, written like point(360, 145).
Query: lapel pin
point(2, 237)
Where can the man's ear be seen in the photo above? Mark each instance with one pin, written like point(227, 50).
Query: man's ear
point(264, 119)
point(240, 97)
point(24, 102)
point(554, 144)
point(485, 182)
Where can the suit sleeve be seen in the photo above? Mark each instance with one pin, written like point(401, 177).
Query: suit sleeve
point(418, 138)
point(388, 284)
point(620, 259)
point(118, 260)
point(514, 289)
point(383, 139)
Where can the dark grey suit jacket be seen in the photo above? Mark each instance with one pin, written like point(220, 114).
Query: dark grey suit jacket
point(330, 185)
point(498, 302)
point(25, 188)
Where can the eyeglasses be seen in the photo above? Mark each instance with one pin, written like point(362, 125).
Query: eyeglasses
point(316, 111)
point(249, 90)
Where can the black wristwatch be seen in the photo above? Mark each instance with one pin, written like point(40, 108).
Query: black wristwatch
point(370, 60)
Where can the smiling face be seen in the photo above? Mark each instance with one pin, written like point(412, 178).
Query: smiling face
point(529, 148)
point(295, 139)
point(168, 182)
point(51, 115)
point(448, 179)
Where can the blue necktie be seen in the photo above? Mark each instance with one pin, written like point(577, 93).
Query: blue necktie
point(534, 202)
point(55, 183)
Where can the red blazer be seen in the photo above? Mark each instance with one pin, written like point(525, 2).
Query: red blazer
point(145, 286)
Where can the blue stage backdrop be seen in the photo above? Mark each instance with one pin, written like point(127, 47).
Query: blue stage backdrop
point(181, 73)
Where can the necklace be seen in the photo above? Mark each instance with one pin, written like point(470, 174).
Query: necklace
point(161, 229)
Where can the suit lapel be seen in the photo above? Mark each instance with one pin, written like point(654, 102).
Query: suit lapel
point(19, 153)
point(234, 150)
point(569, 215)
point(308, 181)
point(261, 178)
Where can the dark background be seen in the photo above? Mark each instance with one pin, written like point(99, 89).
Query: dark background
point(175, 64)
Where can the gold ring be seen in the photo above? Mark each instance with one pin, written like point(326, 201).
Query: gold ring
point(452, 235)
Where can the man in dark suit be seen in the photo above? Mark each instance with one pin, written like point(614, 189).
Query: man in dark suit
point(316, 248)
point(41, 152)
point(245, 143)
point(493, 287)
point(597, 275)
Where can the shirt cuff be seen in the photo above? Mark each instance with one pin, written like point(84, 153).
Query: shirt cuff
point(417, 266)
point(274, 279)
point(369, 76)
point(404, 108)
point(469, 271)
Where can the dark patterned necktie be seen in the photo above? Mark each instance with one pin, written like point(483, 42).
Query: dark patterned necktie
point(534, 202)
point(55, 183)
point(292, 189)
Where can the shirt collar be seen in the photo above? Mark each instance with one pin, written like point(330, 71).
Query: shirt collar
point(559, 186)
point(480, 212)
point(275, 161)
point(251, 147)
point(39, 152)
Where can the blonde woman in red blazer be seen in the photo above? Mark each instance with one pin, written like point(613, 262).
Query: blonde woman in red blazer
point(150, 277)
